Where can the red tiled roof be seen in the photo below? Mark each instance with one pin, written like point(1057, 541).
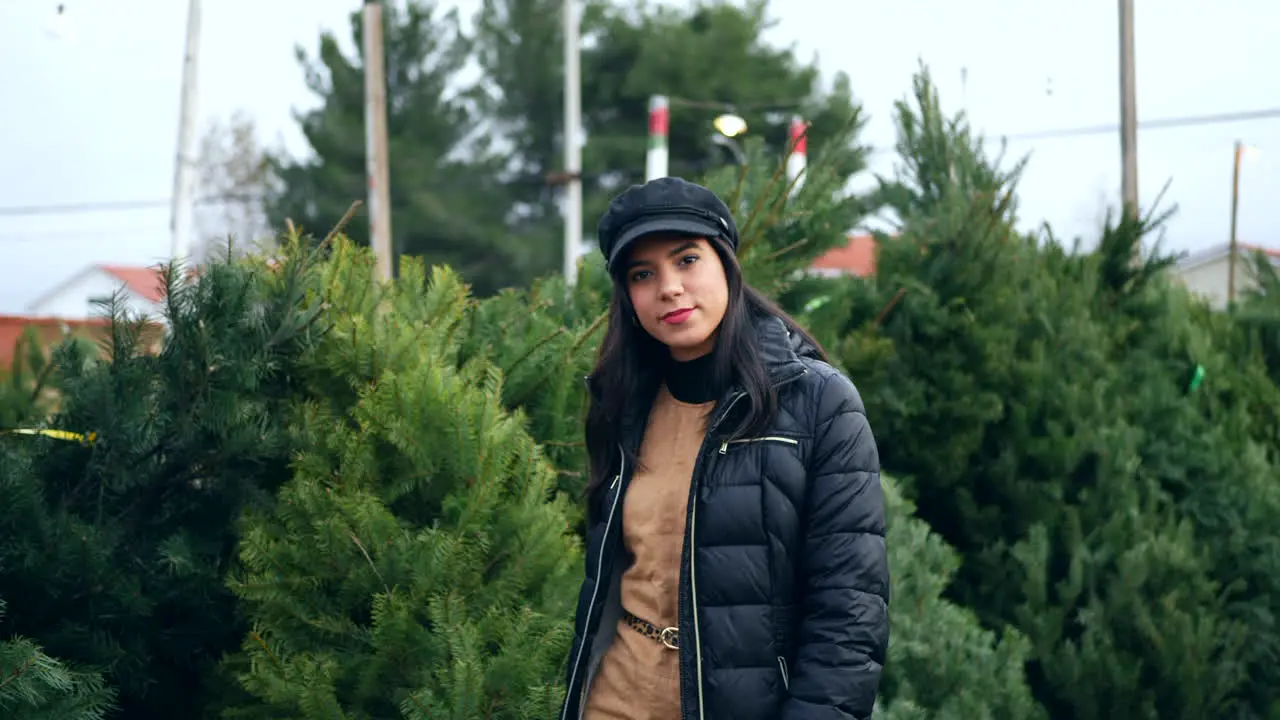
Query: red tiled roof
point(1273, 252)
point(145, 282)
point(49, 330)
point(858, 257)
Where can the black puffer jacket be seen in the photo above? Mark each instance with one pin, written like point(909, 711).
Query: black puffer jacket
point(784, 583)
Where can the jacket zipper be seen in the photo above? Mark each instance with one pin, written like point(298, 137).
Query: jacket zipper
point(693, 557)
point(786, 677)
point(693, 547)
point(724, 447)
point(577, 663)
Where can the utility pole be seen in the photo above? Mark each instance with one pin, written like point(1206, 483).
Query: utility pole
point(1128, 113)
point(180, 211)
point(375, 133)
point(572, 141)
point(1234, 244)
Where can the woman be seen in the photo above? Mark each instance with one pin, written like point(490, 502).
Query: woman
point(736, 564)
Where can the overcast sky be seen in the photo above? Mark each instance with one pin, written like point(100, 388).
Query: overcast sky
point(92, 117)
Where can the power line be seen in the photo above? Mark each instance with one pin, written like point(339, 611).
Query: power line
point(1158, 124)
point(111, 206)
point(1186, 121)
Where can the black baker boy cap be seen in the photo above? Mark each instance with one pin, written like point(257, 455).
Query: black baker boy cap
point(664, 205)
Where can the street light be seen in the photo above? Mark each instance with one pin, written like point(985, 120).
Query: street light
point(730, 124)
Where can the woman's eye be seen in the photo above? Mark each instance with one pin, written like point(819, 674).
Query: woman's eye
point(688, 259)
point(639, 275)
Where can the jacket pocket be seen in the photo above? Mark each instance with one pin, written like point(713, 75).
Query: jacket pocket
point(724, 446)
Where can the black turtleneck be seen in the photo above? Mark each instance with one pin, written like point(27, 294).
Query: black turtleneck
point(692, 381)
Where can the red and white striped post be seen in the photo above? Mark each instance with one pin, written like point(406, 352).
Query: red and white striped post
point(655, 160)
point(798, 160)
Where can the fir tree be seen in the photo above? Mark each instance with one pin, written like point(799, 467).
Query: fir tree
point(117, 547)
point(545, 340)
point(34, 686)
point(1038, 398)
point(21, 384)
point(417, 564)
point(28, 387)
point(942, 663)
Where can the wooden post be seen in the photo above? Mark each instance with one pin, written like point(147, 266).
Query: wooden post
point(1234, 245)
point(1128, 113)
point(375, 122)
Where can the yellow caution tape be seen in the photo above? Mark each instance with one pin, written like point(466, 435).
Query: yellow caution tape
point(83, 438)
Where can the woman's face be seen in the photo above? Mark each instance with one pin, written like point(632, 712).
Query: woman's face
point(679, 291)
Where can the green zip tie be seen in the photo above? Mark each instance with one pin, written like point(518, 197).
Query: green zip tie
point(1196, 378)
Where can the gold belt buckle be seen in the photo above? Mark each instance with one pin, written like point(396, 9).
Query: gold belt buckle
point(670, 637)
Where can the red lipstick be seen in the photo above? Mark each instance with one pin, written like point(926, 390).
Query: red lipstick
point(675, 317)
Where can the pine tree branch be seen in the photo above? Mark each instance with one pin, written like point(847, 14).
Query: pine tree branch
point(534, 348)
point(341, 224)
point(360, 545)
point(591, 329)
point(40, 381)
point(897, 296)
point(17, 673)
point(759, 205)
point(263, 644)
point(783, 251)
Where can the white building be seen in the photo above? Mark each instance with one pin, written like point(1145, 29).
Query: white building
point(1206, 273)
point(73, 299)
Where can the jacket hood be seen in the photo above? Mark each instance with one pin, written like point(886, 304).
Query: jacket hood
point(780, 349)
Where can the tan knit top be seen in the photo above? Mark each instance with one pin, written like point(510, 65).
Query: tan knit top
point(639, 677)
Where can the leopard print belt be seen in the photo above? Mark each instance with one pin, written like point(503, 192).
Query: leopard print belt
point(668, 636)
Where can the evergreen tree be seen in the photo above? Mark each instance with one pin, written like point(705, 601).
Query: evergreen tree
point(34, 686)
point(447, 205)
point(418, 564)
point(28, 386)
point(545, 340)
point(23, 383)
point(472, 161)
point(943, 665)
point(1259, 312)
point(1038, 398)
point(1214, 450)
point(116, 548)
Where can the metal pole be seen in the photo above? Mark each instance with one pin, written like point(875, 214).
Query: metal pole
point(1234, 245)
point(572, 142)
point(656, 159)
point(375, 123)
point(798, 159)
point(1128, 113)
point(184, 166)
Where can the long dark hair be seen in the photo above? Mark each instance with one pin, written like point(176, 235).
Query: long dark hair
point(631, 362)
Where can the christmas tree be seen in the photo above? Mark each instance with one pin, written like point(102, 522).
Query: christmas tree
point(942, 663)
point(35, 686)
point(1039, 399)
point(28, 386)
point(418, 563)
point(118, 534)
